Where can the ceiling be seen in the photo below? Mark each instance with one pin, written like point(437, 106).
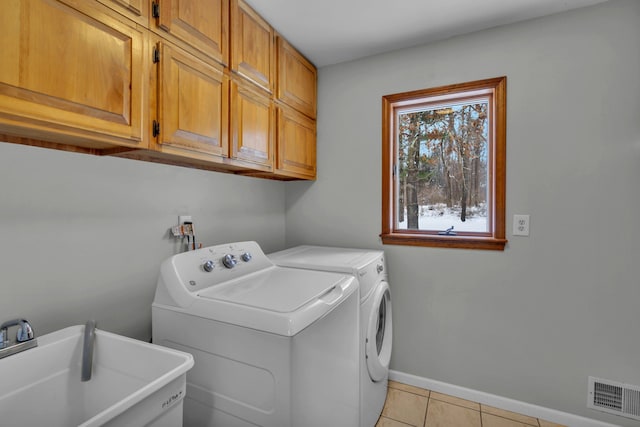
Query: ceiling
point(332, 31)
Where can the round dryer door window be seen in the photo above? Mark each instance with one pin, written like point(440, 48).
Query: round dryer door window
point(379, 334)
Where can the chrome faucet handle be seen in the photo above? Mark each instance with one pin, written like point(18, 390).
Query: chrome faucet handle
point(25, 338)
point(25, 331)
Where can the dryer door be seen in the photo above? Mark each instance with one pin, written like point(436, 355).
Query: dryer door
point(379, 334)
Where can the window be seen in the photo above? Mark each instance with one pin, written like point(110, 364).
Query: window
point(443, 166)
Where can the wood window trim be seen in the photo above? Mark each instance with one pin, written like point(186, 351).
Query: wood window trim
point(496, 238)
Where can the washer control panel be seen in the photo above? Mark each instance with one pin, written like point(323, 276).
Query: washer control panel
point(229, 260)
point(214, 265)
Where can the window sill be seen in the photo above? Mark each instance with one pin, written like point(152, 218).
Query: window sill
point(461, 242)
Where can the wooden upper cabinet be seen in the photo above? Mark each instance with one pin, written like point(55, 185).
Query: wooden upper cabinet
point(252, 46)
point(296, 79)
point(71, 75)
point(252, 125)
point(201, 24)
point(192, 105)
point(82, 75)
point(296, 142)
point(136, 10)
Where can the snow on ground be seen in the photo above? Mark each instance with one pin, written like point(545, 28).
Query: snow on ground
point(439, 217)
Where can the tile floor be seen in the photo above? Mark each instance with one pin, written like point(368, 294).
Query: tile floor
point(412, 406)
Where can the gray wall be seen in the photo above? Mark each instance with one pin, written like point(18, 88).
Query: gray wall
point(83, 237)
point(534, 321)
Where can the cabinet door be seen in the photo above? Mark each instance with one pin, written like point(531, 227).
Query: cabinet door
point(71, 74)
point(193, 101)
point(296, 144)
point(137, 10)
point(252, 45)
point(252, 125)
point(296, 79)
point(203, 24)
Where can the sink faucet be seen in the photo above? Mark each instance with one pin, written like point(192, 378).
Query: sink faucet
point(25, 338)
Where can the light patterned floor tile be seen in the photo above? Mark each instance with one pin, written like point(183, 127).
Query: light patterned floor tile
point(388, 422)
point(544, 423)
point(489, 420)
point(406, 407)
point(443, 414)
point(414, 406)
point(409, 388)
point(455, 400)
point(524, 419)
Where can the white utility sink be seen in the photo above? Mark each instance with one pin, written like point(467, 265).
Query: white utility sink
point(133, 384)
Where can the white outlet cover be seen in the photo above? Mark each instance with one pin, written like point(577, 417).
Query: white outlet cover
point(521, 225)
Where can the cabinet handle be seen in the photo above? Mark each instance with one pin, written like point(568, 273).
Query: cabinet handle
point(155, 9)
point(156, 128)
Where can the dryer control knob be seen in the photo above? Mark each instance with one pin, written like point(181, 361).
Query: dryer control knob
point(246, 257)
point(208, 266)
point(379, 268)
point(229, 261)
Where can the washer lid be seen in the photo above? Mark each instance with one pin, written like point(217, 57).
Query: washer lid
point(282, 301)
point(281, 290)
point(343, 260)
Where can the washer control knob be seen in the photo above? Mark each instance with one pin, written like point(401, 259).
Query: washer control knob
point(229, 261)
point(379, 268)
point(208, 266)
point(246, 257)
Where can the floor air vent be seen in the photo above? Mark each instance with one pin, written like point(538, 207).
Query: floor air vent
point(614, 398)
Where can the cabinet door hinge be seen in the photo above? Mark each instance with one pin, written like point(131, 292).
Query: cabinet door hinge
point(155, 9)
point(156, 128)
point(156, 55)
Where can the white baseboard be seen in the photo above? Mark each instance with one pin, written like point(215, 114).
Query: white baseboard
point(535, 411)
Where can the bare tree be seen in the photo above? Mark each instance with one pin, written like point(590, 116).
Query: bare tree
point(441, 152)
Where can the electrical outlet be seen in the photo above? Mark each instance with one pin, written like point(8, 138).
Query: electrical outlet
point(184, 218)
point(521, 225)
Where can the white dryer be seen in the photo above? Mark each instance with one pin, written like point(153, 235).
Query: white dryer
point(272, 346)
point(369, 267)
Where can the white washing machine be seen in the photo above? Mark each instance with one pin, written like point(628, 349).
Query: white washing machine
point(272, 346)
point(369, 267)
